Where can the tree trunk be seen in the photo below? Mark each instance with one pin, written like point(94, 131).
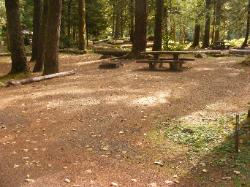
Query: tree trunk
point(132, 19)
point(118, 19)
point(113, 19)
point(42, 38)
point(18, 57)
point(217, 20)
point(158, 25)
point(123, 21)
point(173, 29)
point(197, 31)
point(207, 25)
point(165, 26)
point(213, 22)
point(69, 22)
point(63, 34)
point(51, 64)
point(248, 27)
point(37, 16)
point(82, 24)
point(140, 34)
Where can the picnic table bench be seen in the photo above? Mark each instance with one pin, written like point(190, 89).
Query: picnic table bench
point(176, 62)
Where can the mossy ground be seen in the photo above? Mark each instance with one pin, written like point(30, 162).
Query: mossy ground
point(210, 143)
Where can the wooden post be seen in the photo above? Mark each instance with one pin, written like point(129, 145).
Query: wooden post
point(237, 133)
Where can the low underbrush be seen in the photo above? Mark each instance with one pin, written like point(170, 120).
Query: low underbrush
point(210, 151)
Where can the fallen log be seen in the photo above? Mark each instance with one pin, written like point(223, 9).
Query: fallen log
point(72, 51)
point(97, 61)
point(38, 79)
point(239, 52)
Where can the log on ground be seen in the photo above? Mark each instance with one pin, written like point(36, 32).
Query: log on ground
point(38, 79)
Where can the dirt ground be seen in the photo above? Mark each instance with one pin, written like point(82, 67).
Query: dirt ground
point(91, 129)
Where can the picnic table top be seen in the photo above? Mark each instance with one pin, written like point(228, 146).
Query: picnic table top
point(183, 52)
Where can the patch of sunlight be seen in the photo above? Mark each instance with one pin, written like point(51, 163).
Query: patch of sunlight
point(204, 69)
point(5, 102)
point(227, 62)
point(73, 103)
point(222, 106)
point(6, 139)
point(61, 91)
point(152, 100)
point(115, 99)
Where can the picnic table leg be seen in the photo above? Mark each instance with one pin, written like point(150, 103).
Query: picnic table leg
point(157, 56)
point(152, 65)
point(176, 65)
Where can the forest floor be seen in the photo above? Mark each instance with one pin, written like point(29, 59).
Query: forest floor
point(126, 127)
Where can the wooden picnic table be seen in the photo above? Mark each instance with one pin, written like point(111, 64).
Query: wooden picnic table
point(175, 62)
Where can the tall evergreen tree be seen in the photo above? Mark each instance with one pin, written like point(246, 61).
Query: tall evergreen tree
point(247, 27)
point(37, 16)
point(218, 14)
point(82, 24)
point(206, 37)
point(158, 25)
point(132, 19)
point(197, 30)
point(51, 64)
point(42, 38)
point(18, 57)
point(140, 34)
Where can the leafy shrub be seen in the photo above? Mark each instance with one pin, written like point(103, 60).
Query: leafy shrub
point(235, 43)
point(199, 137)
point(171, 45)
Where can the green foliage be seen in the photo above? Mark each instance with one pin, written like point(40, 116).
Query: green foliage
point(27, 14)
point(97, 21)
point(236, 43)
point(179, 21)
point(200, 137)
point(171, 45)
point(2, 13)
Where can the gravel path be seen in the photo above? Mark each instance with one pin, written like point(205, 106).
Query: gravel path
point(90, 129)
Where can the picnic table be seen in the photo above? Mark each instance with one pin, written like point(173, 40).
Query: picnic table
point(176, 62)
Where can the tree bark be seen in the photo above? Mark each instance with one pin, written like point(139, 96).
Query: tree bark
point(42, 38)
point(132, 19)
point(51, 64)
point(18, 56)
point(82, 24)
point(140, 34)
point(158, 25)
point(118, 19)
point(62, 42)
point(69, 22)
point(37, 16)
point(207, 25)
point(197, 31)
point(217, 20)
point(247, 27)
